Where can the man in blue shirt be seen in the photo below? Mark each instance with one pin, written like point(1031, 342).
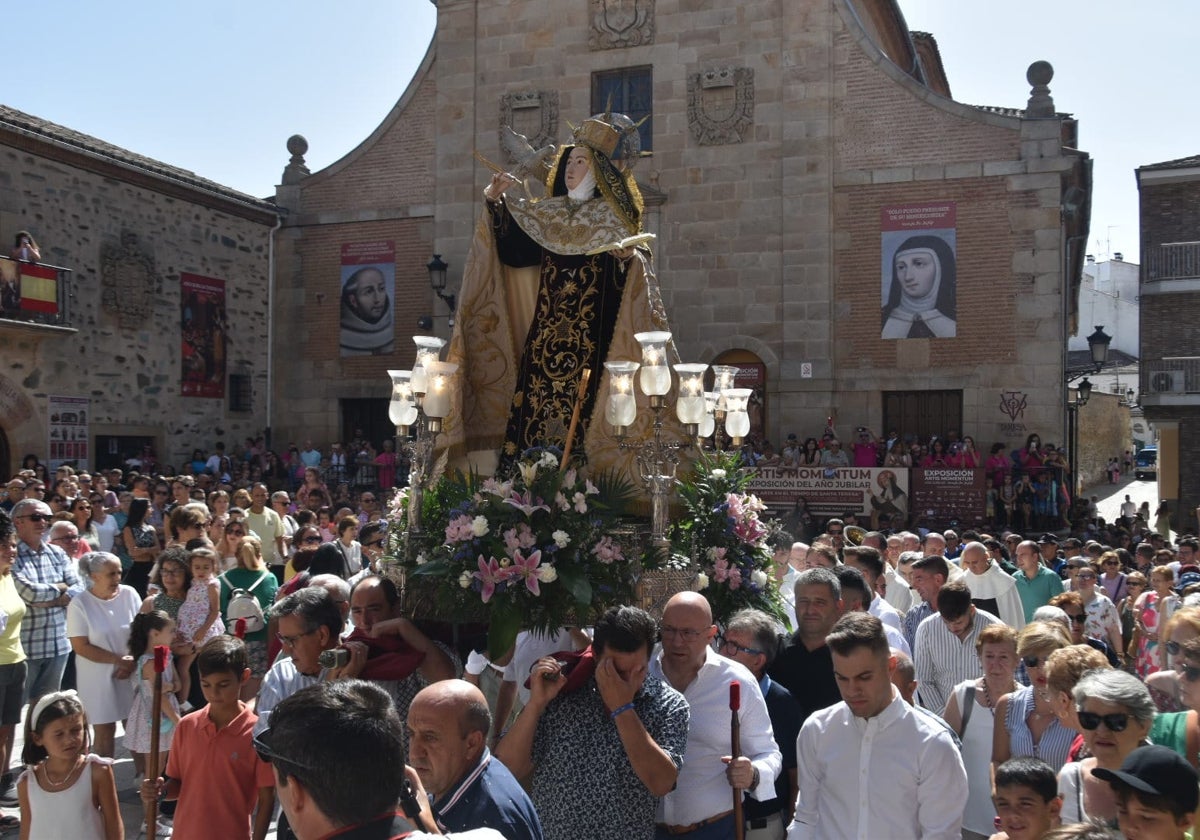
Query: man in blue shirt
point(448, 725)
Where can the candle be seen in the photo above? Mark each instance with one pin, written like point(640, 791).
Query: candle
point(437, 394)
point(737, 424)
point(655, 380)
point(621, 410)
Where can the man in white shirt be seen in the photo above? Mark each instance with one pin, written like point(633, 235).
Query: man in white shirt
point(868, 561)
point(701, 805)
point(1128, 508)
point(854, 595)
point(991, 589)
point(872, 766)
point(897, 592)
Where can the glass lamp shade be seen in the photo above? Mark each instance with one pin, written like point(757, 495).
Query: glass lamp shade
point(707, 426)
point(723, 377)
point(622, 406)
point(690, 407)
point(655, 376)
point(402, 410)
point(737, 420)
point(437, 394)
point(429, 348)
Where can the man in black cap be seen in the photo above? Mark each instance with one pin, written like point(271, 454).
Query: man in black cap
point(1048, 546)
point(1157, 793)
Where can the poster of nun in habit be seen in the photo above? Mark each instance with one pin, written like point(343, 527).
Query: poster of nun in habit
point(919, 277)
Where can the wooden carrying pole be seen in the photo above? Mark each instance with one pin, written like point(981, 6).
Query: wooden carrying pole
point(152, 769)
point(735, 750)
point(579, 397)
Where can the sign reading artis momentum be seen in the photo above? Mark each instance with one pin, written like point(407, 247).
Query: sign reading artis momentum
point(867, 491)
point(68, 432)
point(943, 496)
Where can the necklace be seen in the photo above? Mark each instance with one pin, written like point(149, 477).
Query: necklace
point(50, 780)
point(987, 694)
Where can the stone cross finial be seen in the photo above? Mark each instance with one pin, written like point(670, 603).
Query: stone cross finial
point(1041, 104)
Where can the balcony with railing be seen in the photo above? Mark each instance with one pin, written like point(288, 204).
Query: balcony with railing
point(1172, 261)
point(34, 294)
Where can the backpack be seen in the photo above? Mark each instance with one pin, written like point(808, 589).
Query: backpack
point(243, 605)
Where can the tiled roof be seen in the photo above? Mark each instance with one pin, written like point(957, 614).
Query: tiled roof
point(18, 121)
point(1078, 359)
point(1180, 163)
point(1012, 112)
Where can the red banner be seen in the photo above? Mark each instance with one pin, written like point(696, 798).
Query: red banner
point(203, 329)
point(39, 288)
point(946, 498)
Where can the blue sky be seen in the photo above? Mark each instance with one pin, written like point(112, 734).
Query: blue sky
point(219, 87)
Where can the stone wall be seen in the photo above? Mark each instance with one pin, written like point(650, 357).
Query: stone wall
point(769, 240)
point(1103, 433)
point(129, 367)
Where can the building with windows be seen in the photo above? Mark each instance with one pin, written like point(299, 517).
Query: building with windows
point(792, 152)
point(141, 329)
point(1169, 211)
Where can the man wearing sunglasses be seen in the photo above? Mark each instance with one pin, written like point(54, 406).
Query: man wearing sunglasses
point(47, 580)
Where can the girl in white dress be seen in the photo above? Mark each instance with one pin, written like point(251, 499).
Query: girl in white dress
point(67, 791)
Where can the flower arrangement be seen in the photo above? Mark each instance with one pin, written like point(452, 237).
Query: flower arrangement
point(535, 549)
point(728, 538)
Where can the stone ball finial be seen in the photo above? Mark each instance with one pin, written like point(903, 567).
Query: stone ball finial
point(298, 146)
point(1039, 73)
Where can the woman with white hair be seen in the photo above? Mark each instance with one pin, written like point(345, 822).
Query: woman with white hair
point(98, 629)
point(1115, 712)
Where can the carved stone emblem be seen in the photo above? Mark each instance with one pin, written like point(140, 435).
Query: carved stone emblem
point(128, 281)
point(621, 23)
point(533, 114)
point(721, 105)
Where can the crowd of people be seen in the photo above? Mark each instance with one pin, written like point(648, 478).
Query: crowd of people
point(930, 684)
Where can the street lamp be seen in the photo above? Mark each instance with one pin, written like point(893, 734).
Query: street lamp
point(1098, 343)
point(437, 282)
point(1083, 392)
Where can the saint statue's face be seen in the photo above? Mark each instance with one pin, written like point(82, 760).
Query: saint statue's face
point(370, 297)
point(916, 271)
point(577, 167)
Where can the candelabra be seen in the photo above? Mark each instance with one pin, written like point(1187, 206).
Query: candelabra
point(657, 457)
point(718, 402)
point(419, 404)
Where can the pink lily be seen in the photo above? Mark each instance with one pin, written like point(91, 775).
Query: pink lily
point(524, 502)
point(490, 574)
point(526, 567)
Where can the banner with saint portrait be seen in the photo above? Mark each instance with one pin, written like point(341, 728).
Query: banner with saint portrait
point(203, 331)
point(367, 299)
point(919, 278)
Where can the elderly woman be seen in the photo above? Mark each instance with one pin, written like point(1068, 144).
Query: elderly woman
point(188, 522)
point(1025, 723)
point(98, 628)
point(1116, 712)
point(970, 712)
point(1064, 669)
point(1165, 684)
point(1181, 730)
point(252, 575)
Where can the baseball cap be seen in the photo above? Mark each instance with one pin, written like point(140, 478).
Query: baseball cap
point(1048, 539)
point(1187, 579)
point(1158, 771)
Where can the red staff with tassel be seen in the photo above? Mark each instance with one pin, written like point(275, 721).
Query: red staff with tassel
point(161, 652)
point(735, 750)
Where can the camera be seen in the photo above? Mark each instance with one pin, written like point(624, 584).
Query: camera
point(332, 659)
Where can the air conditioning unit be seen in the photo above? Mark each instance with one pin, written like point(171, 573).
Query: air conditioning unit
point(1166, 381)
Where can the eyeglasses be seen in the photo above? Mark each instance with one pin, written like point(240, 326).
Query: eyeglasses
point(373, 544)
point(311, 540)
point(67, 537)
point(1077, 618)
point(688, 634)
point(234, 532)
point(724, 644)
point(268, 755)
point(1115, 722)
point(165, 572)
point(1190, 673)
point(1085, 576)
point(1033, 661)
point(1173, 648)
point(36, 517)
point(290, 641)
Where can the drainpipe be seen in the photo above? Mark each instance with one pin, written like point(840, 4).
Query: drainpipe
point(271, 329)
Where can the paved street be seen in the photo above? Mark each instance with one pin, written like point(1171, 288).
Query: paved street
point(1112, 495)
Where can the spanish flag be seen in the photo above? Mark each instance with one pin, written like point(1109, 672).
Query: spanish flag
point(39, 288)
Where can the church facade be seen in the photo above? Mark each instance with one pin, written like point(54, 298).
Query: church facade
point(794, 157)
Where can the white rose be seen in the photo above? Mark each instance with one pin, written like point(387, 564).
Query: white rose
point(479, 526)
point(759, 578)
point(464, 580)
point(562, 538)
point(718, 473)
point(548, 460)
point(546, 573)
point(701, 581)
point(421, 559)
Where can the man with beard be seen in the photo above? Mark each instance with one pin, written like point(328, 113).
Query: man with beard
point(367, 327)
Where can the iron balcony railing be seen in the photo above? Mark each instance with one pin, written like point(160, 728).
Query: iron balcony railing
point(36, 293)
point(1173, 261)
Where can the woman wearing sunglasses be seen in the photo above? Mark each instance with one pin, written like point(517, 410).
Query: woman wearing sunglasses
point(1181, 730)
point(1164, 684)
point(1115, 712)
point(1153, 610)
point(1102, 621)
point(1025, 722)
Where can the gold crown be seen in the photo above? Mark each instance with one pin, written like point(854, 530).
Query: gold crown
point(599, 136)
